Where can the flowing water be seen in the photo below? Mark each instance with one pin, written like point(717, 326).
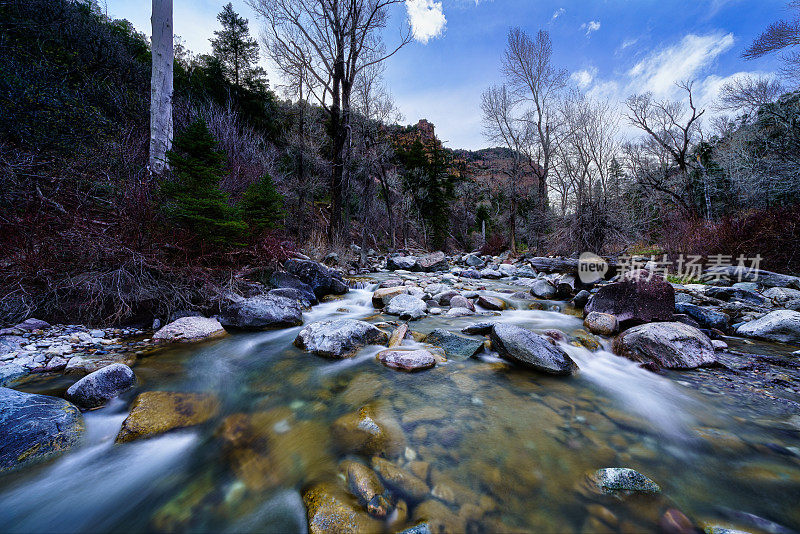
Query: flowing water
point(510, 448)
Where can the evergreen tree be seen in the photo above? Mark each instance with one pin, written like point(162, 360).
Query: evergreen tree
point(262, 205)
point(193, 198)
point(237, 51)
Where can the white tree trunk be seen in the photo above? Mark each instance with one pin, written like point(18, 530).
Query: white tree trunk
point(161, 86)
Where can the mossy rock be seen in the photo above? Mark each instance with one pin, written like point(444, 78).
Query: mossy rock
point(332, 511)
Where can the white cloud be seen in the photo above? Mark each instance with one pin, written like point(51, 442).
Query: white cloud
point(627, 43)
point(558, 12)
point(584, 78)
point(684, 61)
point(426, 19)
point(591, 26)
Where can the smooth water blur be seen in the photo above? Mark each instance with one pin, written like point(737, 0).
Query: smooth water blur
point(524, 441)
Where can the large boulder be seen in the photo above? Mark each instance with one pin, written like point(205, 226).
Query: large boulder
point(306, 300)
point(263, 312)
point(473, 260)
point(531, 350)
point(323, 281)
point(406, 307)
point(543, 289)
point(669, 345)
point(339, 338)
point(35, 428)
point(782, 326)
point(429, 263)
point(455, 347)
point(730, 294)
point(99, 387)
point(401, 263)
point(190, 330)
point(706, 317)
point(156, 412)
point(284, 280)
point(782, 294)
point(639, 297)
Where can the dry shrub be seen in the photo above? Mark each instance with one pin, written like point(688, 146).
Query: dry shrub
point(773, 233)
point(495, 245)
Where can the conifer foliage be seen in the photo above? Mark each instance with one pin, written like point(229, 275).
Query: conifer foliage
point(236, 50)
point(262, 205)
point(193, 198)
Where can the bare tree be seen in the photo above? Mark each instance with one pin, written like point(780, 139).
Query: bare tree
point(672, 126)
point(505, 124)
point(781, 35)
point(330, 41)
point(527, 64)
point(161, 86)
point(749, 93)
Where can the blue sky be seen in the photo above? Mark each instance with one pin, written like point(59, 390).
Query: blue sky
point(612, 48)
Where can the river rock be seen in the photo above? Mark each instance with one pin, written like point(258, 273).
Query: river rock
point(623, 480)
point(372, 429)
point(706, 317)
point(782, 294)
point(99, 387)
point(83, 364)
point(365, 485)
point(35, 427)
point(331, 511)
point(401, 263)
point(296, 295)
point(156, 412)
point(543, 289)
point(10, 371)
point(530, 350)
point(780, 325)
point(481, 329)
point(670, 345)
point(10, 344)
point(433, 262)
point(407, 360)
point(382, 296)
point(492, 303)
point(455, 347)
point(491, 273)
point(323, 281)
point(581, 298)
point(460, 301)
point(262, 312)
point(31, 324)
point(730, 294)
point(189, 330)
point(603, 324)
point(397, 478)
point(407, 307)
point(640, 297)
point(399, 334)
point(284, 280)
point(459, 312)
point(339, 338)
point(390, 282)
point(473, 260)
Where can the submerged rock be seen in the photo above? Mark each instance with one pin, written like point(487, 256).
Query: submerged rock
point(531, 350)
point(369, 430)
point(670, 345)
point(189, 330)
point(402, 481)
point(35, 427)
point(455, 347)
point(339, 338)
point(780, 325)
point(367, 487)
point(263, 312)
point(156, 412)
point(640, 297)
point(99, 387)
point(331, 511)
point(406, 307)
point(407, 360)
point(623, 480)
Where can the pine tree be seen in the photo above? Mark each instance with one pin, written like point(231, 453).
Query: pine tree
point(262, 205)
point(193, 198)
point(236, 50)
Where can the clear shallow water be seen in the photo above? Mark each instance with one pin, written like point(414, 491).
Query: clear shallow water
point(522, 442)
